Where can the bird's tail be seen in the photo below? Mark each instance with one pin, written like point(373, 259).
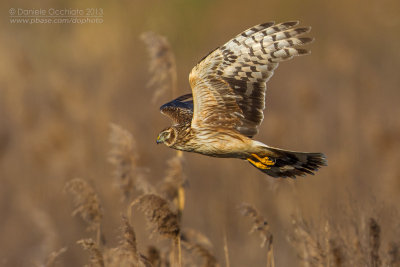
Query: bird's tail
point(282, 163)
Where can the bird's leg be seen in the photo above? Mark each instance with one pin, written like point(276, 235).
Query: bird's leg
point(261, 163)
point(265, 160)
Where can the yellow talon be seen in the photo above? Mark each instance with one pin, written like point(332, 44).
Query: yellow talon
point(264, 160)
point(258, 164)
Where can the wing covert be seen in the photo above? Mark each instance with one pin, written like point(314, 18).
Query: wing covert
point(229, 84)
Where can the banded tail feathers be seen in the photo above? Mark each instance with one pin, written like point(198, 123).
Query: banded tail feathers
point(282, 163)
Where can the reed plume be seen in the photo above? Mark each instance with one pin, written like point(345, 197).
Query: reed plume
point(87, 203)
point(162, 64)
point(123, 156)
point(262, 227)
point(172, 186)
point(393, 254)
point(153, 256)
point(165, 221)
point(374, 242)
point(199, 245)
point(158, 213)
point(310, 249)
point(96, 255)
point(126, 254)
point(52, 257)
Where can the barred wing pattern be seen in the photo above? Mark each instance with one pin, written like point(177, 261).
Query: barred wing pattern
point(229, 84)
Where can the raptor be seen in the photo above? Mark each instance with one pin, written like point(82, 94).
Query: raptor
point(222, 114)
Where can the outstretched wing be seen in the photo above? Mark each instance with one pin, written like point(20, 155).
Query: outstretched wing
point(180, 110)
point(229, 84)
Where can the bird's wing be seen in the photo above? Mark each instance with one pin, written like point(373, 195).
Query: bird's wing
point(229, 84)
point(180, 110)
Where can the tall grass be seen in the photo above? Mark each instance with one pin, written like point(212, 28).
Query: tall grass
point(62, 85)
point(163, 207)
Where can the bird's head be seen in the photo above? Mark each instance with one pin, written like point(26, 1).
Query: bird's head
point(167, 136)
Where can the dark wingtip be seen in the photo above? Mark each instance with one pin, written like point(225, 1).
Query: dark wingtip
point(303, 29)
point(184, 101)
point(267, 24)
point(306, 40)
point(291, 23)
point(302, 51)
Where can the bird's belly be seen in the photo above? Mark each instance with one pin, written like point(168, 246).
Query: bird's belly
point(223, 146)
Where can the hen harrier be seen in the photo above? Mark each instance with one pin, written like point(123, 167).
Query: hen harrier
point(226, 106)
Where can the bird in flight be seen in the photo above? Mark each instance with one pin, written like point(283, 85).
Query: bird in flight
point(222, 114)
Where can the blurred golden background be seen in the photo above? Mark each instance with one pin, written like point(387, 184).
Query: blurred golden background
point(61, 85)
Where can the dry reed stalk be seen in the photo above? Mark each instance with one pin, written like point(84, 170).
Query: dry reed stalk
point(172, 187)
point(51, 259)
point(44, 226)
point(198, 244)
point(181, 197)
point(327, 243)
point(167, 258)
point(353, 243)
point(226, 250)
point(358, 240)
point(87, 204)
point(153, 255)
point(194, 236)
point(158, 212)
point(96, 256)
point(128, 241)
point(166, 222)
point(262, 227)
point(374, 242)
point(123, 155)
point(164, 77)
point(308, 246)
point(393, 254)
point(259, 224)
point(162, 64)
point(351, 239)
point(333, 248)
point(209, 259)
point(126, 254)
point(336, 253)
point(178, 246)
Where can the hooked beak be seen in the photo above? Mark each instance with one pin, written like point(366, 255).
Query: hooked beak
point(159, 141)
